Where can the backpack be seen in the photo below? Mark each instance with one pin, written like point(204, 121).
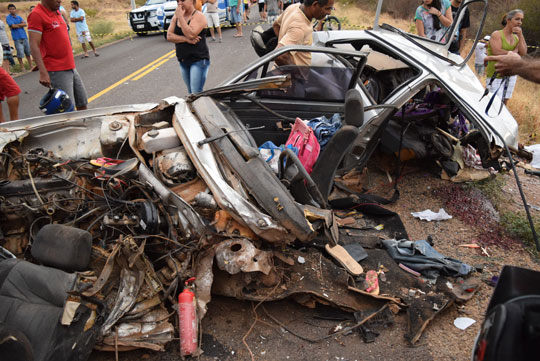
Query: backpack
point(303, 139)
point(511, 329)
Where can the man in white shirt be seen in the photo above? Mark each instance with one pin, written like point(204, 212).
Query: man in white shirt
point(78, 16)
point(480, 53)
point(212, 18)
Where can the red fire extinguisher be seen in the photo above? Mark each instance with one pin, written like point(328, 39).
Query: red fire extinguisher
point(188, 319)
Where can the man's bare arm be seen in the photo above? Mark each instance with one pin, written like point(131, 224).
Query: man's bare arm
point(284, 59)
point(275, 26)
point(35, 40)
point(513, 64)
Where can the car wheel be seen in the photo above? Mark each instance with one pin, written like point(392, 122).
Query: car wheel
point(165, 35)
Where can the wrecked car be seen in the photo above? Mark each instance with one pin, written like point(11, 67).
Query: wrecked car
point(434, 90)
point(105, 213)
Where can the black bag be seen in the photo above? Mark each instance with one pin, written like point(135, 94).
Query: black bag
point(511, 329)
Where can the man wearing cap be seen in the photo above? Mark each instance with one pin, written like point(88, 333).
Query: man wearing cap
point(480, 53)
point(49, 44)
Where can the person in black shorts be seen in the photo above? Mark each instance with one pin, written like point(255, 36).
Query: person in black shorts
point(262, 13)
point(459, 40)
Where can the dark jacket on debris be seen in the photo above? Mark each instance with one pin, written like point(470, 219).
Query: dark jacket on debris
point(421, 257)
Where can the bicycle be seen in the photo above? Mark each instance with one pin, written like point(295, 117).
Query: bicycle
point(264, 41)
point(329, 23)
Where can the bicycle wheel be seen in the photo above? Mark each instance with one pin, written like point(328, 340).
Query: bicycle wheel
point(331, 23)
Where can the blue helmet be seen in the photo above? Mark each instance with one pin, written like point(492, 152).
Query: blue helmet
point(56, 101)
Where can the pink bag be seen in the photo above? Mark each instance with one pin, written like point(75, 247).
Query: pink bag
point(305, 141)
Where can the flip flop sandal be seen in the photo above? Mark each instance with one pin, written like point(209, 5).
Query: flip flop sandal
point(372, 282)
point(105, 162)
point(464, 290)
point(127, 168)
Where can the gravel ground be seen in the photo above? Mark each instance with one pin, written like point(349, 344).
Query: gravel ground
point(418, 193)
point(230, 324)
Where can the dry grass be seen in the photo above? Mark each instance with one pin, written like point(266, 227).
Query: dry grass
point(524, 105)
point(97, 11)
point(353, 17)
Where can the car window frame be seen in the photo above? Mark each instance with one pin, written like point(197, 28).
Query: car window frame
point(266, 60)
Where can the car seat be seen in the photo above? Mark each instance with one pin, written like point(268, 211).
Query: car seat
point(302, 185)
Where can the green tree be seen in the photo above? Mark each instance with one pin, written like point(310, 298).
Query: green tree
point(531, 24)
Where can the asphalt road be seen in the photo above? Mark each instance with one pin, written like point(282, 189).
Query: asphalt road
point(122, 75)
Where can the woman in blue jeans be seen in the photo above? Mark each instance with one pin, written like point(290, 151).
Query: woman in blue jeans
point(188, 32)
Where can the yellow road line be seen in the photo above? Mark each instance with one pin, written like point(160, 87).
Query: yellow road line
point(154, 67)
point(135, 73)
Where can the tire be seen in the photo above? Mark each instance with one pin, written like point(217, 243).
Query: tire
point(331, 23)
point(165, 34)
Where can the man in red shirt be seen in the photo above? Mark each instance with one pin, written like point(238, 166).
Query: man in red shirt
point(51, 50)
point(10, 91)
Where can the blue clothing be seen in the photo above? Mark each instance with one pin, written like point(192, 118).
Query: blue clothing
point(18, 33)
point(80, 26)
point(421, 257)
point(324, 129)
point(194, 75)
point(236, 18)
point(23, 47)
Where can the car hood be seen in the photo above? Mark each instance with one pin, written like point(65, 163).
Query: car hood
point(460, 82)
point(170, 5)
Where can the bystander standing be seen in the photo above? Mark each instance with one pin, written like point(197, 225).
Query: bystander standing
point(18, 34)
point(480, 53)
point(49, 44)
point(235, 8)
point(432, 18)
point(6, 47)
point(188, 32)
point(262, 13)
point(271, 8)
point(212, 18)
point(9, 90)
point(293, 27)
point(461, 35)
point(246, 10)
point(78, 16)
point(509, 39)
